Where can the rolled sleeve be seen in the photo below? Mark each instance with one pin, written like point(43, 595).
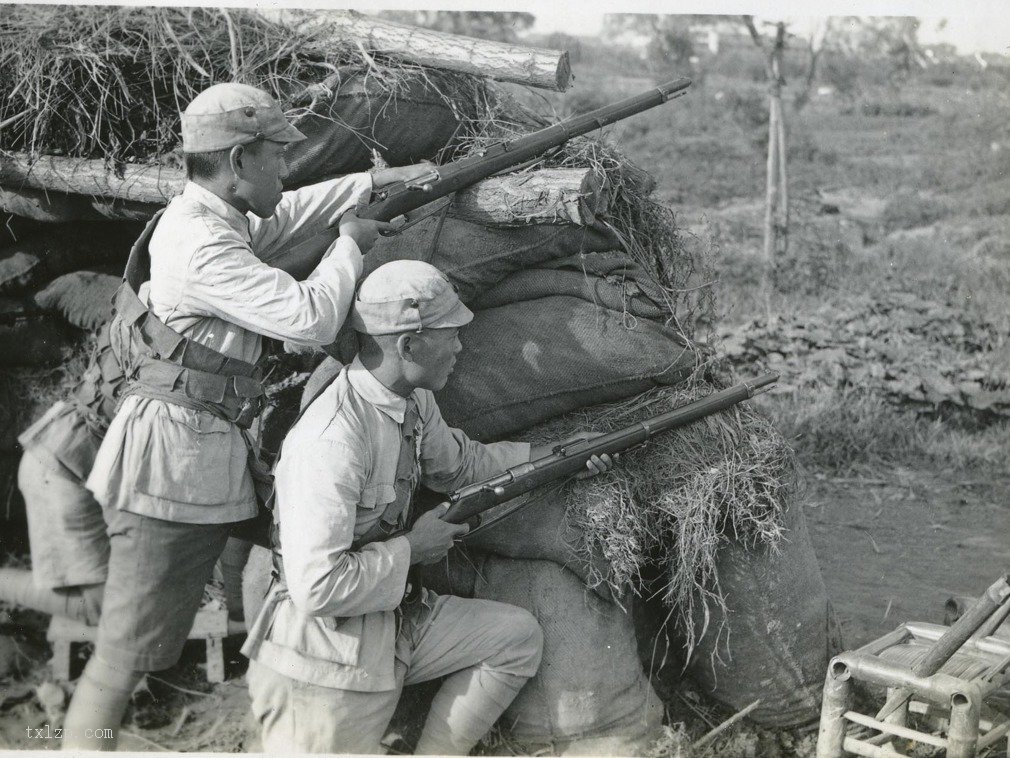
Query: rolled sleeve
point(450, 459)
point(318, 490)
point(226, 280)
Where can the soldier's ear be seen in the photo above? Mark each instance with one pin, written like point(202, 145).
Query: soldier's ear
point(405, 347)
point(235, 156)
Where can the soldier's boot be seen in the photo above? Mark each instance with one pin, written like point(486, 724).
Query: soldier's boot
point(97, 707)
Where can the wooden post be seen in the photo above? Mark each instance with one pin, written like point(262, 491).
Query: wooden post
point(547, 69)
point(776, 226)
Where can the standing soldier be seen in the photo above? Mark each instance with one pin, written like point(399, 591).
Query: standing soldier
point(338, 635)
point(173, 472)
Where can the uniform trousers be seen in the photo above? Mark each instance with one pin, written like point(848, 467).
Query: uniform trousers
point(446, 634)
point(66, 527)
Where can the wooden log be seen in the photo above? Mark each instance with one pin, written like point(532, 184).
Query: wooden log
point(60, 207)
point(549, 196)
point(150, 183)
point(569, 195)
point(534, 67)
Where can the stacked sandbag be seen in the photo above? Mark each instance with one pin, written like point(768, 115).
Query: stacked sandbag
point(354, 114)
point(776, 633)
point(606, 708)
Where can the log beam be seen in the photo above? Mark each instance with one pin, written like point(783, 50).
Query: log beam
point(150, 183)
point(534, 67)
point(549, 196)
point(56, 188)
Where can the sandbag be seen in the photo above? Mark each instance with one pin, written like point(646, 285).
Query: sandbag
point(60, 249)
point(476, 257)
point(609, 279)
point(607, 707)
point(29, 337)
point(406, 126)
point(83, 298)
point(780, 632)
point(539, 530)
point(526, 362)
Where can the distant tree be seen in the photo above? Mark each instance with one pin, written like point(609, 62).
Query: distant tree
point(562, 41)
point(499, 26)
point(893, 38)
point(815, 46)
point(670, 39)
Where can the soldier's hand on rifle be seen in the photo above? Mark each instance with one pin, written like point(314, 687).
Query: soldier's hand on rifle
point(363, 231)
point(406, 174)
point(431, 538)
point(597, 464)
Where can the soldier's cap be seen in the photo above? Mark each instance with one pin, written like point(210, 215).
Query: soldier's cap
point(229, 114)
point(407, 296)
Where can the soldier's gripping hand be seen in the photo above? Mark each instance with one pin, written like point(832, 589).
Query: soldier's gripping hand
point(418, 175)
point(363, 231)
point(431, 538)
point(597, 464)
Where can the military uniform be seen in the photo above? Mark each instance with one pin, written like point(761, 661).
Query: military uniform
point(65, 524)
point(334, 644)
point(173, 473)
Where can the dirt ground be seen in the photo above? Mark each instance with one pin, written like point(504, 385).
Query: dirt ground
point(896, 549)
point(891, 549)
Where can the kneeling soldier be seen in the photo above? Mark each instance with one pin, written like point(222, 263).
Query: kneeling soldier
point(336, 639)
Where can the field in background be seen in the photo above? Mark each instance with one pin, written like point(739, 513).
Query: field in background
point(900, 203)
point(900, 192)
point(896, 185)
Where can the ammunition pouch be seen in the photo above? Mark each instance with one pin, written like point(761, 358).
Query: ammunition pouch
point(160, 363)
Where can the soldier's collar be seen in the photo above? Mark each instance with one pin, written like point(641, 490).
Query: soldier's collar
point(375, 392)
point(229, 213)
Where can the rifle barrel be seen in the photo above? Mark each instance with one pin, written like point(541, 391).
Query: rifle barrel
point(470, 501)
point(398, 199)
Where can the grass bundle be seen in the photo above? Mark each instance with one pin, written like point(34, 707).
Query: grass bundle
point(671, 503)
point(93, 81)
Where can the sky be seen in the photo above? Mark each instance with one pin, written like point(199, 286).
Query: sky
point(972, 25)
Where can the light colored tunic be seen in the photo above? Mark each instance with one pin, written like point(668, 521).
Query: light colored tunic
point(211, 281)
point(333, 623)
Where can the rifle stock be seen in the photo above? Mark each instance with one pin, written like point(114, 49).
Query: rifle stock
point(400, 198)
point(471, 501)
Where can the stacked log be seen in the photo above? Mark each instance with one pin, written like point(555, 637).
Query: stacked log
point(59, 189)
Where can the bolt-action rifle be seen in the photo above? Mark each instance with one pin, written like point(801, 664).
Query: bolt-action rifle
point(470, 502)
point(467, 503)
point(399, 198)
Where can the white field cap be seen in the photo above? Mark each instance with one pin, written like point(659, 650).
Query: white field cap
point(229, 114)
point(407, 296)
